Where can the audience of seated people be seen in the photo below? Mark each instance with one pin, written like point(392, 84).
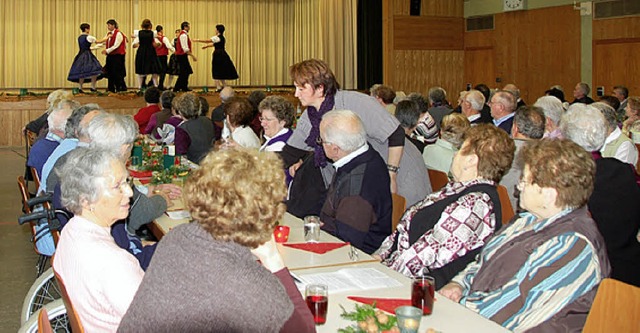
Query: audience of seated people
point(152, 97)
point(344, 166)
point(444, 232)
point(439, 155)
point(358, 204)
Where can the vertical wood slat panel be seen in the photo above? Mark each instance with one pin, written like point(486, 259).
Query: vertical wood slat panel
point(417, 71)
point(617, 63)
point(453, 8)
point(614, 28)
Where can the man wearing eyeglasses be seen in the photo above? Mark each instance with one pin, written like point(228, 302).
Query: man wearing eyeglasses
point(358, 204)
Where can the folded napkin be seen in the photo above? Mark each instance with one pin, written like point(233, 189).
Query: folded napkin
point(319, 248)
point(384, 304)
point(140, 174)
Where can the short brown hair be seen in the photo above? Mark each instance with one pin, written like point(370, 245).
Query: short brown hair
point(452, 128)
point(562, 165)
point(316, 73)
point(187, 105)
point(237, 195)
point(494, 149)
point(281, 108)
point(239, 110)
point(386, 94)
point(146, 24)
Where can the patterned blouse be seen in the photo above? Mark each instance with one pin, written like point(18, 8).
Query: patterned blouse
point(463, 226)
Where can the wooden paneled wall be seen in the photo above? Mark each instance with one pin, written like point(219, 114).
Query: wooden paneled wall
point(534, 49)
point(424, 51)
point(616, 54)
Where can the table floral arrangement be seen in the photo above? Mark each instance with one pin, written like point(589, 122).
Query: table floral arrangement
point(369, 320)
point(152, 165)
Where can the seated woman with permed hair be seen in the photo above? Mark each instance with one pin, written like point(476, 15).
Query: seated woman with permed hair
point(204, 276)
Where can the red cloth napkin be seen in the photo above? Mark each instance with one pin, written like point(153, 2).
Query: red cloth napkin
point(384, 304)
point(140, 174)
point(319, 248)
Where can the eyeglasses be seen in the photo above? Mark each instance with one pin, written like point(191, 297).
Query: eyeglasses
point(320, 141)
point(522, 183)
point(266, 119)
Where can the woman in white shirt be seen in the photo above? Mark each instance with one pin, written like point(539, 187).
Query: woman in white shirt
point(276, 117)
point(239, 113)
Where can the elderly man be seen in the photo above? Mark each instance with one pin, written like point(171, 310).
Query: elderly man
point(358, 204)
point(553, 110)
point(385, 96)
point(472, 106)
point(217, 115)
point(503, 105)
point(621, 93)
point(438, 105)
point(516, 93)
point(617, 144)
point(581, 92)
point(528, 124)
point(57, 121)
point(614, 201)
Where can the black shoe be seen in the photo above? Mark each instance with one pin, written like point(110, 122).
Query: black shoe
point(94, 90)
point(80, 91)
point(218, 90)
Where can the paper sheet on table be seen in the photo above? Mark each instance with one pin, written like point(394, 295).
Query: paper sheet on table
point(179, 214)
point(349, 279)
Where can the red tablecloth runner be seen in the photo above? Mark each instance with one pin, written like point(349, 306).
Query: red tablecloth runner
point(319, 248)
point(384, 304)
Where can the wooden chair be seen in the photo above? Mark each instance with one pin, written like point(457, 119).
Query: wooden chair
point(438, 179)
point(35, 177)
point(638, 162)
point(399, 205)
point(74, 320)
point(44, 326)
point(616, 308)
point(29, 139)
point(507, 209)
point(24, 193)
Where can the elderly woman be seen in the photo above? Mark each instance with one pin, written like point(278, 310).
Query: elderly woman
point(541, 273)
point(553, 109)
point(614, 202)
point(633, 115)
point(239, 113)
point(317, 90)
point(427, 130)
point(616, 144)
point(472, 104)
point(440, 155)
point(444, 232)
point(276, 117)
point(39, 125)
point(101, 278)
point(214, 256)
point(194, 135)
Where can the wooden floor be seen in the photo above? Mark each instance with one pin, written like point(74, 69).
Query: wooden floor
point(17, 259)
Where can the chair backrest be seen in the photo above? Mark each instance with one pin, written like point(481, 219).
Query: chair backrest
point(638, 162)
point(399, 205)
point(507, 209)
point(24, 193)
point(44, 325)
point(438, 179)
point(35, 177)
point(74, 320)
point(616, 308)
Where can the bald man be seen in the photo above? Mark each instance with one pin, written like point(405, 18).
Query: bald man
point(358, 205)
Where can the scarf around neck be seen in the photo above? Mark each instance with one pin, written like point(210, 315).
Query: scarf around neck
point(315, 116)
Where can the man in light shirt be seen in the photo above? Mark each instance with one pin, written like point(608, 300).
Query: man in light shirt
point(503, 105)
point(115, 52)
point(183, 52)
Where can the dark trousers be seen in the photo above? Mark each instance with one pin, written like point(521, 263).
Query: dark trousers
point(163, 70)
point(116, 72)
point(182, 84)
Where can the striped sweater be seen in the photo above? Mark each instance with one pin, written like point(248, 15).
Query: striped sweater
point(538, 276)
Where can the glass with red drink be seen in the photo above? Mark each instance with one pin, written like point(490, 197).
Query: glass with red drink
point(317, 297)
point(422, 293)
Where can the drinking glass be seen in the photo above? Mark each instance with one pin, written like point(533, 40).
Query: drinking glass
point(422, 293)
point(317, 298)
point(281, 234)
point(408, 319)
point(312, 228)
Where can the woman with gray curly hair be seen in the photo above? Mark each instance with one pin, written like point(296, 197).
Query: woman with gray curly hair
point(194, 135)
point(235, 198)
point(440, 155)
point(101, 278)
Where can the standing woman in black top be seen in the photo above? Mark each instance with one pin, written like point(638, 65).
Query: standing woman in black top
point(147, 61)
point(222, 67)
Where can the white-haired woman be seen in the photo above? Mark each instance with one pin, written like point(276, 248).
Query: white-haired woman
point(553, 110)
point(101, 278)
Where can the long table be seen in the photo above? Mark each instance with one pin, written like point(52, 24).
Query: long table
point(447, 316)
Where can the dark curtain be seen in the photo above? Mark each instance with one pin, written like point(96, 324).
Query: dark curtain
point(369, 43)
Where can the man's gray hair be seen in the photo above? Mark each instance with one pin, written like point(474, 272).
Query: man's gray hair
point(584, 125)
point(437, 95)
point(344, 129)
point(585, 88)
point(476, 98)
point(72, 128)
point(110, 132)
point(552, 108)
point(226, 93)
point(57, 119)
point(82, 176)
point(609, 114)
